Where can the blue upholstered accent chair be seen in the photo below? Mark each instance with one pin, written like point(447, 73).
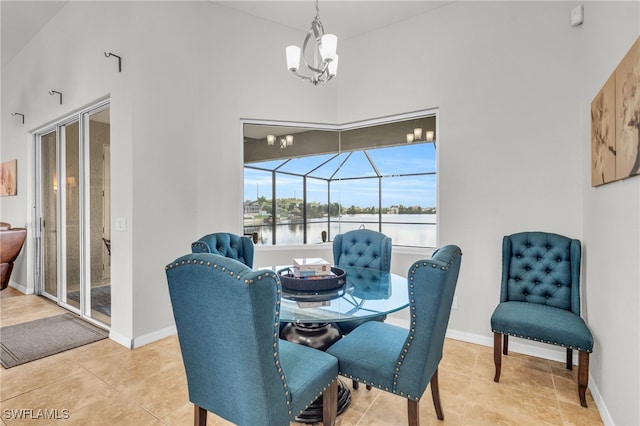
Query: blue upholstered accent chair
point(402, 361)
point(225, 244)
point(362, 248)
point(540, 299)
point(237, 367)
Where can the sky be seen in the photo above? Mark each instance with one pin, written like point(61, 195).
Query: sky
point(391, 162)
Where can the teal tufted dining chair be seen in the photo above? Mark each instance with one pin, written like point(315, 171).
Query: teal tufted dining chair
point(226, 244)
point(540, 299)
point(362, 248)
point(227, 320)
point(401, 361)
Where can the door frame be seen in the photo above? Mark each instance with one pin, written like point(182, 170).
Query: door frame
point(82, 117)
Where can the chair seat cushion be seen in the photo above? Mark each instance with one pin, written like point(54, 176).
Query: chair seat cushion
point(309, 371)
point(542, 323)
point(369, 354)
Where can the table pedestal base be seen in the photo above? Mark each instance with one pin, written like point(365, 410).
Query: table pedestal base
point(318, 336)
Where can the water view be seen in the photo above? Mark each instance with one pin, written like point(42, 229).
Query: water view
point(417, 230)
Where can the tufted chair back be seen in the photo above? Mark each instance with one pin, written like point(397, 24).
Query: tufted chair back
point(225, 244)
point(11, 242)
point(364, 248)
point(227, 321)
point(543, 268)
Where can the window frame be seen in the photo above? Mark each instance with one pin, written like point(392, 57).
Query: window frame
point(379, 222)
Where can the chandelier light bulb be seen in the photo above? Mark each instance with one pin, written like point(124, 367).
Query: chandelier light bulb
point(417, 133)
point(333, 66)
point(409, 137)
point(271, 139)
point(430, 135)
point(328, 47)
point(289, 139)
point(293, 58)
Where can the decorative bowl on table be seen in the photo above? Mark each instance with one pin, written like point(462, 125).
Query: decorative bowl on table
point(316, 284)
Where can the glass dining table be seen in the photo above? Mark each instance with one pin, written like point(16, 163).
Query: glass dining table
point(313, 318)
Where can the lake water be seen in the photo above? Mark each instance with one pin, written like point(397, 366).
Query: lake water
point(417, 230)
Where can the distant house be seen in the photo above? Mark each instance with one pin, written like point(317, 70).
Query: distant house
point(251, 208)
point(393, 210)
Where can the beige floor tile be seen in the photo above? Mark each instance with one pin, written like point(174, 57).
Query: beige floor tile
point(105, 383)
point(170, 344)
point(133, 366)
point(173, 383)
point(68, 394)
point(574, 414)
point(493, 403)
point(113, 409)
point(567, 391)
point(17, 310)
point(33, 375)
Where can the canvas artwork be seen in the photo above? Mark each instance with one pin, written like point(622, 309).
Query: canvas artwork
point(603, 135)
point(615, 123)
point(628, 114)
point(8, 178)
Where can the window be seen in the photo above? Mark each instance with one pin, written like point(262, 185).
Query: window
point(304, 185)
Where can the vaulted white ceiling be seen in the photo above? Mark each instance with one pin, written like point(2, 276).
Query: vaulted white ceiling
point(21, 20)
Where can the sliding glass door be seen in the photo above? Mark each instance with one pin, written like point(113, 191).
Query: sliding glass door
point(73, 210)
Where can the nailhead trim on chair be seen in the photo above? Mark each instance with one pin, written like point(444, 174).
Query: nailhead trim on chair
point(544, 341)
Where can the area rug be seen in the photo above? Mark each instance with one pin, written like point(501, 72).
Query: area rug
point(37, 339)
point(100, 298)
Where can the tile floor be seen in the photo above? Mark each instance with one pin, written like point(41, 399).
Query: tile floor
point(106, 384)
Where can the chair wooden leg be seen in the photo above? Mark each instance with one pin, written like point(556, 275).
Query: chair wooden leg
point(497, 354)
point(356, 385)
point(583, 376)
point(199, 416)
point(330, 404)
point(569, 359)
point(435, 395)
point(413, 408)
point(505, 346)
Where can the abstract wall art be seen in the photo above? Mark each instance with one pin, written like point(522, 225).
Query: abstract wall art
point(615, 123)
point(8, 178)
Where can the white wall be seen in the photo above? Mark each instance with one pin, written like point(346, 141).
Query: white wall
point(509, 149)
point(611, 296)
point(512, 81)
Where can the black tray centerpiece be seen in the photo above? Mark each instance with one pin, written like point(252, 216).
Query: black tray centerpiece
point(312, 284)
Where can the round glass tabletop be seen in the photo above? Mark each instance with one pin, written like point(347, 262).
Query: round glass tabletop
point(367, 293)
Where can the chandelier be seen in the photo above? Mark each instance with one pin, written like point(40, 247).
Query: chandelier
point(324, 64)
point(283, 142)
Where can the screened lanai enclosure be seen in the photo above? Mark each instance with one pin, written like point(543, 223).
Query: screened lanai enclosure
point(306, 184)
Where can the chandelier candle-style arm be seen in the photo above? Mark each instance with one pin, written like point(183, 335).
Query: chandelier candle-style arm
point(324, 65)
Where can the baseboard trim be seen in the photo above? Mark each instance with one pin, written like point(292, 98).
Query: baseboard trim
point(152, 337)
point(142, 340)
point(120, 339)
point(22, 289)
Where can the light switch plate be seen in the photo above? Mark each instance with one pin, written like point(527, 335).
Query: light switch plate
point(121, 224)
